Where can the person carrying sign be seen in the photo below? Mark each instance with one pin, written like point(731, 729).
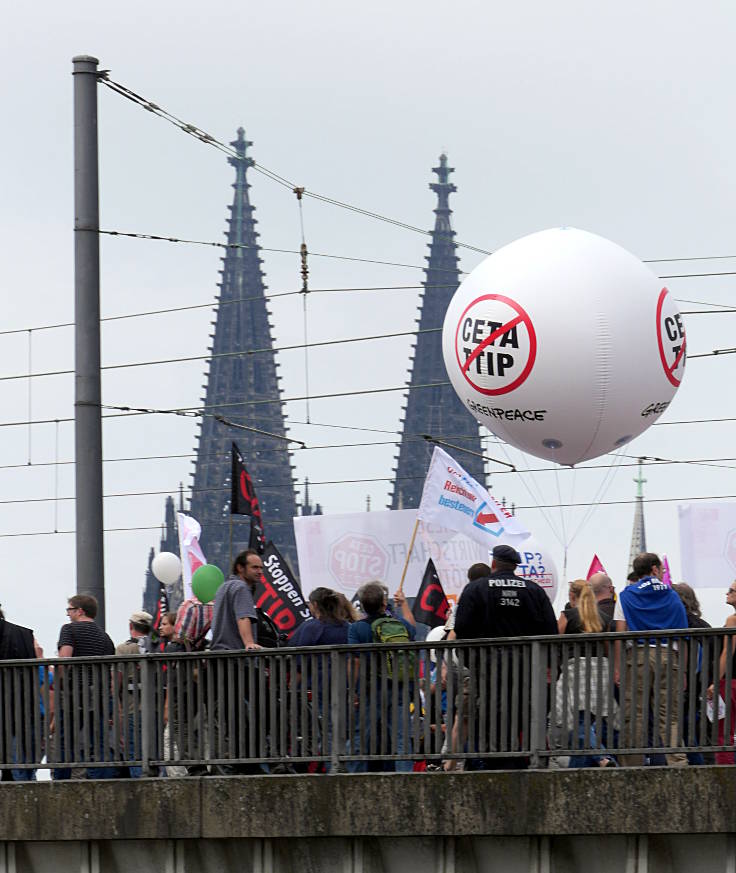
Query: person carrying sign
point(382, 703)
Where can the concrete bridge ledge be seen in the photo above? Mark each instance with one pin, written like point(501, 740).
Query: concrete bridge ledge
point(534, 803)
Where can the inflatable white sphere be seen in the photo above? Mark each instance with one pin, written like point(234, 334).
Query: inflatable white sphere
point(537, 565)
point(564, 345)
point(166, 567)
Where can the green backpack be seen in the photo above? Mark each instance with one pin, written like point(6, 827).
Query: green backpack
point(400, 666)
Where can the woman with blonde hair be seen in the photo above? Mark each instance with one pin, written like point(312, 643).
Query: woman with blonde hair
point(582, 614)
point(581, 706)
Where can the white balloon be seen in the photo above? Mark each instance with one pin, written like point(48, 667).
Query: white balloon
point(537, 565)
point(564, 345)
point(166, 567)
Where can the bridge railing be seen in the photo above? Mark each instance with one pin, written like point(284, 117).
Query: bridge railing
point(501, 701)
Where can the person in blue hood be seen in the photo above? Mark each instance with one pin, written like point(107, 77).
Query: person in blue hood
point(649, 604)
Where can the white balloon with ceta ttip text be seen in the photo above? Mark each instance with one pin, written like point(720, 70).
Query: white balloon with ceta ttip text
point(564, 345)
point(537, 565)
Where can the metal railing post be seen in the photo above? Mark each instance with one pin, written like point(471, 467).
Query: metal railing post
point(538, 716)
point(337, 707)
point(148, 715)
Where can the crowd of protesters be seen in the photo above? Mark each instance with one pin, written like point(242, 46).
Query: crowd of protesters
point(495, 603)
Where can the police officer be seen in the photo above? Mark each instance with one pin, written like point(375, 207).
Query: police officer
point(501, 604)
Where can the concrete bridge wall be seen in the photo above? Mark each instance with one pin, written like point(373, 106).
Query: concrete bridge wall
point(628, 821)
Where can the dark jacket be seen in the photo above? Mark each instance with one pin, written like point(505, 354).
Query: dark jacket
point(503, 605)
point(15, 641)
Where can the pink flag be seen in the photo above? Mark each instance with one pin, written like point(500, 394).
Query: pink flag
point(192, 556)
point(595, 567)
point(666, 577)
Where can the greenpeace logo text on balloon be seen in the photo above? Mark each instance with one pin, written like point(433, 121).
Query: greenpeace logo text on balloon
point(506, 414)
point(495, 344)
point(654, 409)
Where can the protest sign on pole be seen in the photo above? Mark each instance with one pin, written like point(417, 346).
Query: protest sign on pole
point(454, 500)
point(191, 553)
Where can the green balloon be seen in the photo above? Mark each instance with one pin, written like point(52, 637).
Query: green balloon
point(205, 582)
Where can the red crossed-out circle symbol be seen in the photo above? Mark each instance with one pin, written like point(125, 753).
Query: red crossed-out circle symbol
point(670, 338)
point(488, 367)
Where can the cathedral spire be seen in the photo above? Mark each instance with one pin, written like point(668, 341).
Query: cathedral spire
point(638, 533)
point(245, 389)
point(241, 210)
point(443, 188)
point(435, 411)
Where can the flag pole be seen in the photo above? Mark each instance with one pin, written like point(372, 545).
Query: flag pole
point(231, 539)
point(408, 556)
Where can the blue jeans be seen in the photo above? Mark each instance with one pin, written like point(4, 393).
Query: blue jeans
point(590, 759)
point(21, 756)
point(394, 722)
point(109, 772)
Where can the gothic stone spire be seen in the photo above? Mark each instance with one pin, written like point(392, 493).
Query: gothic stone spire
point(434, 411)
point(638, 533)
point(232, 384)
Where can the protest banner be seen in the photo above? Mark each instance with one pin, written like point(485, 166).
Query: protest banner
point(278, 593)
point(708, 543)
point(344, 551)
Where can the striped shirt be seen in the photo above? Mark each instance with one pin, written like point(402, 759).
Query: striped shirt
point(86, 638)
point(193, 621)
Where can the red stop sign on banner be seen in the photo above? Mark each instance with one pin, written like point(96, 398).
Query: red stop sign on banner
point(355, 559)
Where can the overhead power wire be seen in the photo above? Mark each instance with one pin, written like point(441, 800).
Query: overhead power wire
point(457, 448)
point(693, 258)
point(44, 533)
point(202, 135)
point(217, 303)
point(711, 354)
point(290, 348)
point(174, 239)
point(293, 347)
point(193, 411)
point(358, 481)
point(722, 308)
point(220, 245)
point(648, 460)
point(208, 139)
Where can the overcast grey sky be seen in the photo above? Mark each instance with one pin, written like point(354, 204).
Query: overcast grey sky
point(610, 117)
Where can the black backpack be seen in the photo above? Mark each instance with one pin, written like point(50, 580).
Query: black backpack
point(269, 636)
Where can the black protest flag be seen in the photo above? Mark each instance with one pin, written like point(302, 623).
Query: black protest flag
point(431, 604)
point(278, 593)
point(243, 500)
point(257, 539)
